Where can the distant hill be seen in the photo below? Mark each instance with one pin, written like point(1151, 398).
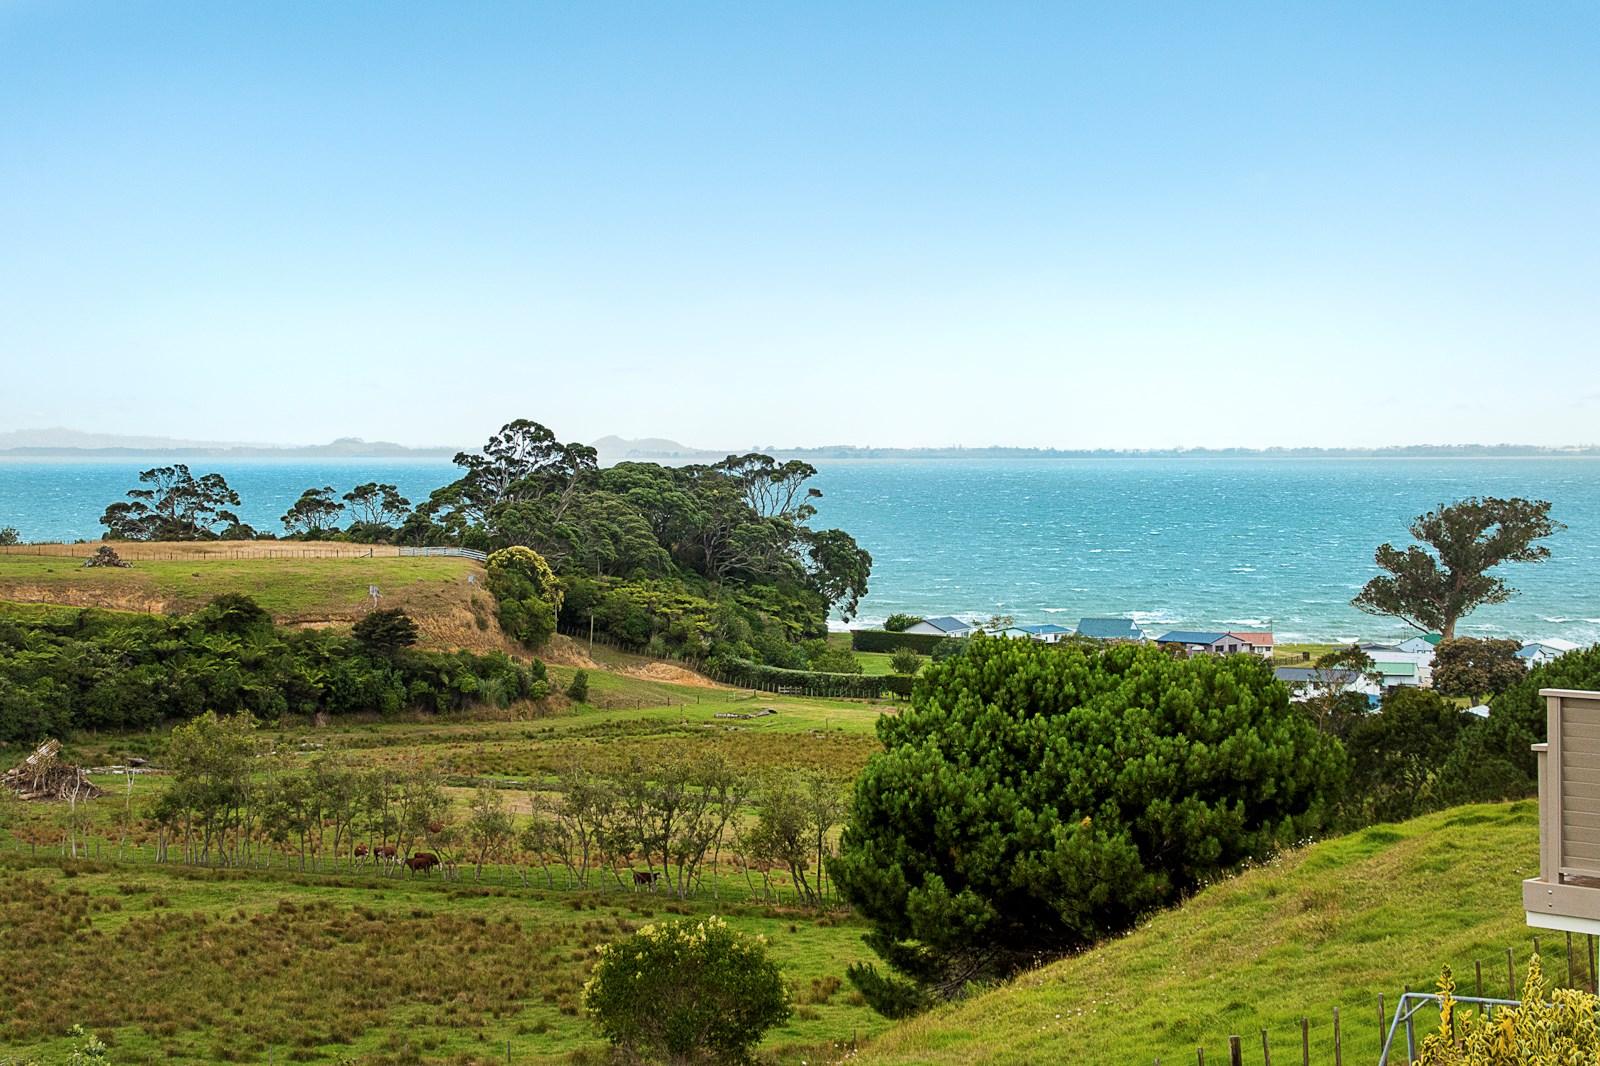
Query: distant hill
point(614, 449)
point(71, 442)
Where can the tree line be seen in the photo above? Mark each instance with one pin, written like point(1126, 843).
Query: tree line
point(702, 559)
point(69, 668)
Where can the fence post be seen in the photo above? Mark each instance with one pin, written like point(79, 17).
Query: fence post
point(1200, 1055)
point(1235, 1052)
point(1511, 975)
point(1478, 963)
point(1383, 1020)
point(1266, 1053)
point(1305, 1042)
point(1572, 974)
point(1338, 1048)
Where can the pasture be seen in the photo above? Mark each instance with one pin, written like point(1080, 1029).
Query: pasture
point(320, 959)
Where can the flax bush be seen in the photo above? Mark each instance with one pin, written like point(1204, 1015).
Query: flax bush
point(1549, 1029)
point(686, 992)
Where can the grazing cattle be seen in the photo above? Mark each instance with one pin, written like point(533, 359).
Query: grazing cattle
point(646, 879)
point(385, 852)
point(424, 861)
point(361, 851)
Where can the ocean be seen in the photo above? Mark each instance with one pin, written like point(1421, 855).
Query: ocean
point(1173, 543)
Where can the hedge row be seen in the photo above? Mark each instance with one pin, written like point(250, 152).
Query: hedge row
point(746, 674)
point(883, 640)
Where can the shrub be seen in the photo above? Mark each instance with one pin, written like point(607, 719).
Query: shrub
point(836, 661)
point(906, 661)
point(686, 992)
point(578, 688)
point(882, 640)
point(9, 537)
point(385, 631)
point(528, 592)
point(1547, 1030)
point(1036, 799)
point(899, 623)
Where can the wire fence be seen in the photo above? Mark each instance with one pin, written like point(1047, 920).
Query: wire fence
point(207, 551)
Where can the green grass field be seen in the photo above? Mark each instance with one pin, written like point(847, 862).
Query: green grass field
point(1332, 925)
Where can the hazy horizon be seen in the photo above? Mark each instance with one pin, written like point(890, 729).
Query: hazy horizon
point(1027, 225)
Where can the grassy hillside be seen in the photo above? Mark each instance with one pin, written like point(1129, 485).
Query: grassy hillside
point(449, 610)
point(1331, 925)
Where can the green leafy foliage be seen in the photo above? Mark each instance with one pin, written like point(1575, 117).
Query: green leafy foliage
point(88, 669)
point(528, 593)
point(688, 991)
point(1469, 538)
point(1547, 1028)
point(1467, 666)
point(9, 537)
point(314, 515)
point(385, 631)
point(578, 687)
point(1037, 799)
point(1396, 755)
point(836, 661)
point(890, 641)
point(174, 505)
point(906, 661)
point(899, 623)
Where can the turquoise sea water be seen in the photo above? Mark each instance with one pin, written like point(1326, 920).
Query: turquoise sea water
point(1196, 543)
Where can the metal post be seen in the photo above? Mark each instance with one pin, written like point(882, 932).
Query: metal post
point(1411, 1034)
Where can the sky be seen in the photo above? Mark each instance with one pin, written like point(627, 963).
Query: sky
point(788, 224)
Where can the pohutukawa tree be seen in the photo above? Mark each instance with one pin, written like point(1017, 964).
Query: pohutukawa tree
point(175, 505)
point(1432, 590)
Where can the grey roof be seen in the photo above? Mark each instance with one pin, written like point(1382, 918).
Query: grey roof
point(945, 624)
point(1296, 675)
point(1183, 636)
point(1044, 627)
point(1109, 629)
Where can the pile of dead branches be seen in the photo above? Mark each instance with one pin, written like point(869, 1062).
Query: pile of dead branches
point(43, 776)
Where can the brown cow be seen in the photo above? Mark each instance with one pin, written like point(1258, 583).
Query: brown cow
point(361, 851)
point(424, 861)
point(646, 879)
point(384, 852)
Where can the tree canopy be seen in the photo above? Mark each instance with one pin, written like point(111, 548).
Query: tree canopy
point(1471, 667)
point(1432, 591)
point(1036, 799)
point(174, 505)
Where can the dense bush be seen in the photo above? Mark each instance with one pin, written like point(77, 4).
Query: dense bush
point(899, 623)
point(1036, 799)
point(528, 593)
point(688, 991)
point(882, 640)
point(63, 669)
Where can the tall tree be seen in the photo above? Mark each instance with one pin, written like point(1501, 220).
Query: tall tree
point(377, 505)
point(1432, 591)
point(174, 505)
point(314, 514)
point(523, 463)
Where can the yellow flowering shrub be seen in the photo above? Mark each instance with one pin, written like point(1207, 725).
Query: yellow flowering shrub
point(1549, 1029)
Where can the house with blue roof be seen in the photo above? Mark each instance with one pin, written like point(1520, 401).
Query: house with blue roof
point(1047, 633)
point(944, 626)
point(1205, 643)
point(1109, 629)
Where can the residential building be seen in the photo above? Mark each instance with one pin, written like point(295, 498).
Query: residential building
point(1307, 681)
point(944, 626)
point(1205, 643)
point(1260, 643)
point(1110, 629)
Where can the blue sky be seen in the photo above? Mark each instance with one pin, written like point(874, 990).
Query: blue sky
point(750, 224)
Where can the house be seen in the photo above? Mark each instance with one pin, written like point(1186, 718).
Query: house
point(1260, 643)
point(1566, 894)
point(1011, 633)
point(1421, 661)
point(1307, 681)
point(1418, 645)
point(944, 626)
point(1047, 633)
point(1109, 629)
point(1196, 643)
point(1398, 674)
point(1538, 652)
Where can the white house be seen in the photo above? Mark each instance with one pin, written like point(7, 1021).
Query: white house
point(1206, 643)
point(1538, 652)
point(944, 626)
point(1046, 633)
point(1307, 681)
point(1417, 652)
